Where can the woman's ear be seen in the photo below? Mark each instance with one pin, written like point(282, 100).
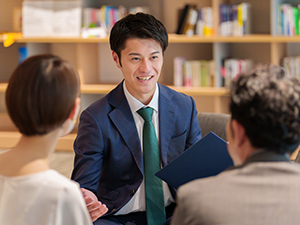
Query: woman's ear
point(75, 110)
point(69, 124)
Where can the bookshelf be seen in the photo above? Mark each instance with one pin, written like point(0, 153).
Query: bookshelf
point(99, 75)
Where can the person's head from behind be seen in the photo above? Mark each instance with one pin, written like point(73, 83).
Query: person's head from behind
point(138, 42)
point(43, 95)
point(265, 112)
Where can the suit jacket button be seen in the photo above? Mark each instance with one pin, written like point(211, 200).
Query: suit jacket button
point(133, 191)
point(113, 210)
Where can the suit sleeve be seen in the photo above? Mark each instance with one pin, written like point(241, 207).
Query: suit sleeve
point(195, 131)
point(89, 150)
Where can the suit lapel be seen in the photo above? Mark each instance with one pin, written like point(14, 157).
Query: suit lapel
point(167, 112)
point(122, 118)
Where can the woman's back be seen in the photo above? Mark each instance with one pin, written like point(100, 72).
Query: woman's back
point(45, 198)
point(43, 101)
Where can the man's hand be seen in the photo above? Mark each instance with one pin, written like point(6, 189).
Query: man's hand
point(95, 207)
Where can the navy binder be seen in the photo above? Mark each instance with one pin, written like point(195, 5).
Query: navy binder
point(208, 157)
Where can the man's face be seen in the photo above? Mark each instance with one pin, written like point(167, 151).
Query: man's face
point(141, 61)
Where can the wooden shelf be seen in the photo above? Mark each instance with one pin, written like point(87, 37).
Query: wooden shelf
point(63, 40)
point(105, 88)
point(3, 87)
point(10, 139)
point(96, 88)
point(203, 91)
point(173, 38)
point(253, 38)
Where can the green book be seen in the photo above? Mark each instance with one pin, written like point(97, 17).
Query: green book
point(296, 16)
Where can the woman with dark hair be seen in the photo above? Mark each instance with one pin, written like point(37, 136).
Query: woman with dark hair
point(43, 101)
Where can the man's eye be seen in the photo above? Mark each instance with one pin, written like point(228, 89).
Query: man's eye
point(135, 59)
point(154, 57)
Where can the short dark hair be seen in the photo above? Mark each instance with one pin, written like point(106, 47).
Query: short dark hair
point(41, 94)
point(266, 101)
point(139, 25)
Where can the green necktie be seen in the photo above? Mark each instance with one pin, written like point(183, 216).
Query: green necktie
point(155, 206)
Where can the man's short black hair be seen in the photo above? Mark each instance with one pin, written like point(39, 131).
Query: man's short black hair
point(266, 101)
point(139, 25)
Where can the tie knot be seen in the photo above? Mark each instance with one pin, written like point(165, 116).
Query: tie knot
point(146, 113)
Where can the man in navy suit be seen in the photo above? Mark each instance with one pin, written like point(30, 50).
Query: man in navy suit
point(108, 150)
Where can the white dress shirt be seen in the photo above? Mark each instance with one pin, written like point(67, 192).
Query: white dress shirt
point(137, 202)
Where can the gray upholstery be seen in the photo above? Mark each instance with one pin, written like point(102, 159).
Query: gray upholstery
point(215, 122)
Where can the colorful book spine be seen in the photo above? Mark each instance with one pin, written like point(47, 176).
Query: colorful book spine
point(178, 71)
point(193, 73)
point(235, 19)
point(296, 20)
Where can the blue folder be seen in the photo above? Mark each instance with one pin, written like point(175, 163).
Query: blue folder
point(208, 157)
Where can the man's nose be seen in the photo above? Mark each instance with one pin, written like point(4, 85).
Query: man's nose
point(145, 66)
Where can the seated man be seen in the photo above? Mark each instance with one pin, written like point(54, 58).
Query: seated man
point(264, 186)
point(125, 137)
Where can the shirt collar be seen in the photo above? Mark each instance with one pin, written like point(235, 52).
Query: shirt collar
point(136, 104)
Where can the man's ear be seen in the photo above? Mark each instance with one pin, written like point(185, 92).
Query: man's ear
point(116, 59)
point(238, 132)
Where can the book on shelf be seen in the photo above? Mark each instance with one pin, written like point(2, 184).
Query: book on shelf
point(291, 66)
point(287, 19)
point(97, 22)
point(69, 19)
point(182, 17)
point(186, 16)
point(232, 68)
point(205, 74)
point(226, 19)
point(296, 20)
point(208, 21)
point(193, 73)
point(191, 20)
point(196, 73)
point(178, 71)
point(204, 24)
point(235, 19)
point(51, 18)
point(200, 23)
point(187, 74)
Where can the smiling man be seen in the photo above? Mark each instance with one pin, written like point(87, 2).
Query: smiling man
point(116, 153)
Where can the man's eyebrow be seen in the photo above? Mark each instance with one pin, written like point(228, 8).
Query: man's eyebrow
point(156, 52)
point(153, 53)
point(134, 53)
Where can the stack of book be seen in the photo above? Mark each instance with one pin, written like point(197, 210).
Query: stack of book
point(288, 20)
point(195, 20)
point(193, 73)
point(232, 68)
point(51, 18)
point(204, 25)
point(292, 65)
point(235, 20)
point(97, 22)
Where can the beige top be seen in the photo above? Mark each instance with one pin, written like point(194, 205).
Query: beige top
point(46, 198)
